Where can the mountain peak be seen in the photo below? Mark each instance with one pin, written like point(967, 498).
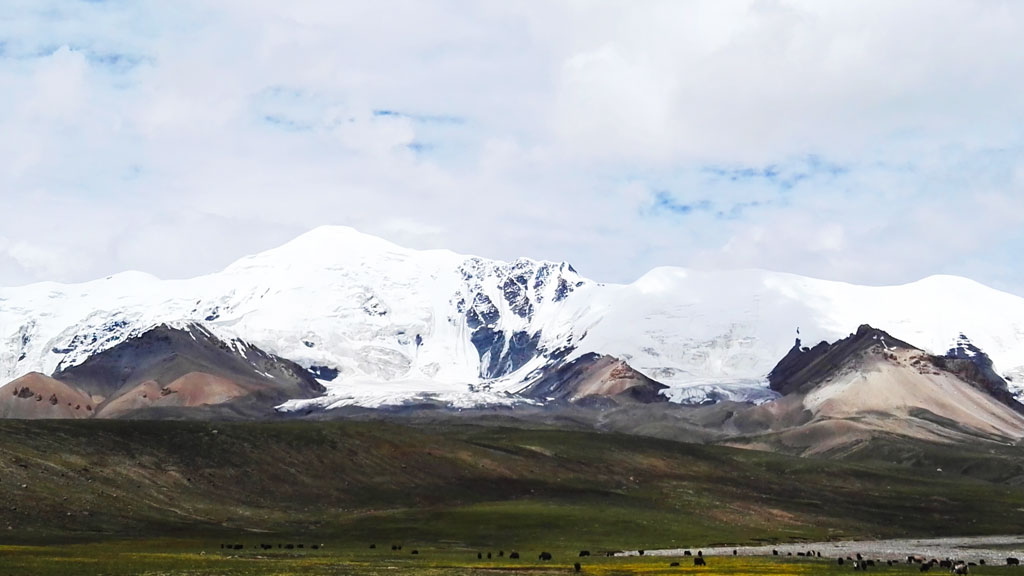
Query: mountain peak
point(803, 368)
point(322, 246)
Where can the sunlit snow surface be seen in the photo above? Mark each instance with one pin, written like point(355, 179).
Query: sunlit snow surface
point(393, 321)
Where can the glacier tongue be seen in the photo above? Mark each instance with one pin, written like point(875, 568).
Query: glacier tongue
point(381, 324)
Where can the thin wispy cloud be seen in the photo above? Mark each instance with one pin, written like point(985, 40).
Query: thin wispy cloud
point(870, 142)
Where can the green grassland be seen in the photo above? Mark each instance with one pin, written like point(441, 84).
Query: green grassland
point(174, 557)
point(116, 497)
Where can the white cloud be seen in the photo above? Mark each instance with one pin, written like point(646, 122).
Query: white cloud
point(795, 135)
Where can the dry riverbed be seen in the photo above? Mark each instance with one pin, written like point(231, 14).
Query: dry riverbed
point(993, 549)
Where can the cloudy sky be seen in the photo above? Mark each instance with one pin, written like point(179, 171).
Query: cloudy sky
point(872, 142)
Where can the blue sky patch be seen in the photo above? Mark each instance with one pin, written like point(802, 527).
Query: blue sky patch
point(663, 201)
point(421, 118)
point(784, 177)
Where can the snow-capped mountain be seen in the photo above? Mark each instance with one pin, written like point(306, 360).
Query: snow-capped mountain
point(381, 324)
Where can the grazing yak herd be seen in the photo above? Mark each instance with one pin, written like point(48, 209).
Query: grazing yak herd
point(949, 564)
point(858, 563)
point(271, 546)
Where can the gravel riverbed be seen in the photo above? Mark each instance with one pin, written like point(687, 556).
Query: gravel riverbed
point(993, 549)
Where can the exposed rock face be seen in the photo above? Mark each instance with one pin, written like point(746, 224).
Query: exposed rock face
point(805, 367)
point(972, 365)
point(839, 396)
point(503, 330)
point(201, 369)
point(596, 376)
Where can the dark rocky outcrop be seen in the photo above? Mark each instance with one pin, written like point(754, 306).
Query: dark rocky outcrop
point(257, 380)
point(593, 377)
point(971, 364)
point(521, 286)
point(802, 368)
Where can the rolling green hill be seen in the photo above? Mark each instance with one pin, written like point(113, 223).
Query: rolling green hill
point(378, 482)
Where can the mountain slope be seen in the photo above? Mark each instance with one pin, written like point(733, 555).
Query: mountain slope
point(37, 396)
point(594, 377)
point(869, 384)
point(165, 369)
point(380, 324)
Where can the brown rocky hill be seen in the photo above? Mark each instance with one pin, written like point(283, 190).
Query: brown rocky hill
point(37, 396)
point(593, 378)
point(165, 373)
point(838, 396)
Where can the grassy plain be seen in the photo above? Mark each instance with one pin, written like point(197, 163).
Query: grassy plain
point(183, 557)
point(114, 497)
